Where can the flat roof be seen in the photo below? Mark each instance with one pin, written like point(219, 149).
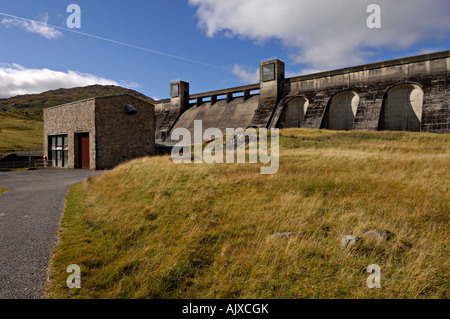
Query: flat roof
point(164, 144)
point(97, 98)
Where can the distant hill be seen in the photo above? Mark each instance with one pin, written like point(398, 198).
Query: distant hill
point(34, 103)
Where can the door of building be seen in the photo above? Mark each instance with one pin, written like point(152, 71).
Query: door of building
point(85, 151)
point(82, 158)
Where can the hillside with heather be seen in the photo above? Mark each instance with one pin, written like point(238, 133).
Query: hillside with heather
point(34, 103)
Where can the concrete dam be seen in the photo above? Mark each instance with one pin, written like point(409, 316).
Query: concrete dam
point(408, 94)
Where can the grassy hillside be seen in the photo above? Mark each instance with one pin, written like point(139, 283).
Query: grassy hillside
point(34, 103)
point(19, 131)
point(155, 229)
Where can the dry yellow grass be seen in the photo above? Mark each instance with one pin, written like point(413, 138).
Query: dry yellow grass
point(20, 131)
point(155, 229)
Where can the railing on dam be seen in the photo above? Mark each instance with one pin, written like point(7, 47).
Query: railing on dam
point(225, 94)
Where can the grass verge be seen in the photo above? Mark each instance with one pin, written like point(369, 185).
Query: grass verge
point(19, 131)
point(154, 229)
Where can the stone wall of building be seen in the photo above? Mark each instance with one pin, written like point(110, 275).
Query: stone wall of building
point(122, 137)
point(70, 119)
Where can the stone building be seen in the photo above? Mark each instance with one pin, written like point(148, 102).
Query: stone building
point(99, 133)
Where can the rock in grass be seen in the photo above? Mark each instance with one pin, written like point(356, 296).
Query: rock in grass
point(379, 234)
point(281, 235)
point(348, 241)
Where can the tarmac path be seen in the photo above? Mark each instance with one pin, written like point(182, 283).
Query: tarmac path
point(30, 214)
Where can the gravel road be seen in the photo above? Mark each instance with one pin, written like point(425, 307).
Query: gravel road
point(29, 220)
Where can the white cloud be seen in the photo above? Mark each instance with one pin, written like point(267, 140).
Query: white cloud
point(290, 74)
point(246, 74)
point(41, 28)
point(429, 50)
point(251, 75)
point(325, 34)
point(130, 85)
point(17, 80)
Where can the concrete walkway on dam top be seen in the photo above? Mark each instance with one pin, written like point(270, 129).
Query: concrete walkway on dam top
point(29, 221)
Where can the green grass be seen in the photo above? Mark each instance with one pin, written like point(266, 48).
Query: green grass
point(3, 190)
point(19, 131)
point(154, 229)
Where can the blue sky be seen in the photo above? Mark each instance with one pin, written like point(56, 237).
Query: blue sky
point(232, 36)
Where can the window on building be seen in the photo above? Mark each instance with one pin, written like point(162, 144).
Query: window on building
point(164, 135)
point(59, 150)
point(268, 72)
point(175, 90)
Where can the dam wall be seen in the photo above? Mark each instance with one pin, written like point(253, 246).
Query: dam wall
point(409, 94)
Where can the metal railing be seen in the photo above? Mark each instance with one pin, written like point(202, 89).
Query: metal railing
point(34, 163)
point(33, 152)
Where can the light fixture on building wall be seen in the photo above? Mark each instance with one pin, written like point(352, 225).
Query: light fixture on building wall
point(129, 109)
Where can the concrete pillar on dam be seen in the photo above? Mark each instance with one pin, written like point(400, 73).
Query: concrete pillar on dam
point(179, 96)
point(271, 77)
point(171, 110)
point(271, 74)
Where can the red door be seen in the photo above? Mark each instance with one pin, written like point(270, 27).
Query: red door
point(85, 151)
